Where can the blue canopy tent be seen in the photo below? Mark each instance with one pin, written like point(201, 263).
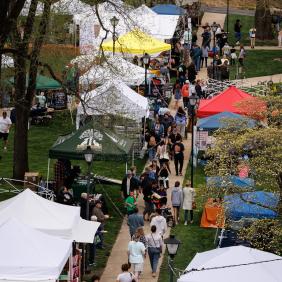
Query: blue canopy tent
point(225, 181)
point(168, 9)
point(245, 205)
point(219, 121)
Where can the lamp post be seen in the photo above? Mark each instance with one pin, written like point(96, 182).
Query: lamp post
point(146, 62)
point(172, 245)
point(114, 22)
point(88, 156)
point(227, 17)
point(214, 28)
point(193, 100)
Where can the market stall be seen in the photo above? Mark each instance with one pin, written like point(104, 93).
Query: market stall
point(213, 214)
point(30, 255)
point(230, 181)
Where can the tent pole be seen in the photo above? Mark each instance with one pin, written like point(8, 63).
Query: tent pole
point(126, 167)
point(132, 161)
point(48, 173)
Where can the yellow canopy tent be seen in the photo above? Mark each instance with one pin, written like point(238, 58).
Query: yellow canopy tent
point(136, 42)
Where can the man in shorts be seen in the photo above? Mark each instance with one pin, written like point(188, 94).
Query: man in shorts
point(5, 124)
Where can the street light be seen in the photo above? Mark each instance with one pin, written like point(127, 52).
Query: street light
point(88, 156)
point(214, 29)
point(146, 62)
point(227, 17)
point(193, 101)
point(172, 245)
point(114, 22)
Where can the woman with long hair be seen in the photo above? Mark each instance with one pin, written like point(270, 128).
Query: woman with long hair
point(181, 120)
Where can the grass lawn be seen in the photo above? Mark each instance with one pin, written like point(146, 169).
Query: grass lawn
point(260, 63)
point(40, 140)
point(193, 238)
point(247, 23)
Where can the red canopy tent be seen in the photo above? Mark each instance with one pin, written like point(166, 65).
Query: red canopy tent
point(224, 102)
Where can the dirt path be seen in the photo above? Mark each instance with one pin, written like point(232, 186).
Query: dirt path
point(118, 254)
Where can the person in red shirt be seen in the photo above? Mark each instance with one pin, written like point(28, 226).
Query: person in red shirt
point(185, 93)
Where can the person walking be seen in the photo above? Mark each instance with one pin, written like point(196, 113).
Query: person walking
point(181, 120)
point(178, 149)
point(177, 94)
point(188, 200)
point(125, 276)
point(160, 222)
point(129, 183)
point(237, 30)
point(252, 35)
point(176, 201)
point(130, 203)
point(134, 221)
point(185, 93)
point(155, 245)
point(136, 252)
point(242, 55)
point(205, 55)
point(5, 125)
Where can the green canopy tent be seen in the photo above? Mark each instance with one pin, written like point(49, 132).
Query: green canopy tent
point(43, 83)
point(106, 144)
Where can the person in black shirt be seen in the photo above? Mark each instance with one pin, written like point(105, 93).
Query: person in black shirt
point(237, 30)
point(178, 149)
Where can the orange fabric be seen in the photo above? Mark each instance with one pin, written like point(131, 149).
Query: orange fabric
point(213, 216)
point(185, 90)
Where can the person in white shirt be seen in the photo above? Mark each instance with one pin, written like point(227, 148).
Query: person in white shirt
point(136, 252)
point(125, 276)
point(187, 204)
point(160, 222)
point(187, 36)
point(5, 124)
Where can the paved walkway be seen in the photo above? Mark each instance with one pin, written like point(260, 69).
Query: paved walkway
point(119, 251)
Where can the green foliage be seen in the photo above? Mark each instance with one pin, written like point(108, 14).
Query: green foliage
point(265, 235)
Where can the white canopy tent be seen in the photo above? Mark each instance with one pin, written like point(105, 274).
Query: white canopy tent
point(116, 98)
point(30, 255)
point(115, 68)
point(233, 264)
point(7, 62)
point(47, 216)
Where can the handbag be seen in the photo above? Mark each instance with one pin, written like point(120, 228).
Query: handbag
point(194, 206)
point(159, 249)
point(132, 279)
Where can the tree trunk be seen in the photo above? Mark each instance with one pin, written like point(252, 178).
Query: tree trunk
point(263, 20)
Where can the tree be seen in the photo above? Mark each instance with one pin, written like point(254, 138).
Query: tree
point(263, 20)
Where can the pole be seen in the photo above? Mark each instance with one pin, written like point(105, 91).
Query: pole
point(213, 65)
point(227, 17)
point(146, 84)
point(170, 269)
point(192, 148)
point(114, 40)
point(88, 192)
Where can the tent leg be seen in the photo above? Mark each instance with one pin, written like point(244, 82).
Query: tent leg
point(48, 173)
point(132, 161)
point(126, 167)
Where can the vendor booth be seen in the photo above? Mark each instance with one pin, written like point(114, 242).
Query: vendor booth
point(213, 214)
point(30, 255)
point(113, 98)
point(168, 9)
point(49, 217)
point(224, 102)
point(136, 42)
point(233, 264)
point(257, 204)
point(228, 181)
point(113, 68)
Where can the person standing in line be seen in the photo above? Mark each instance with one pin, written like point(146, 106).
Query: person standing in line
point(130, 203)
point(125, 276)
point(178, 149)
point(136, 252)
point(237, 30)
point(129, 183)
point(155, 245)
point(188, 199)
point(181, 120)
point(252, 34)
point(5, 125)
point(134, 221)
point(176, 201)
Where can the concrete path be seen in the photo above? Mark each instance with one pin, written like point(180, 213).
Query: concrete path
point(119, 251)
point(248, 82)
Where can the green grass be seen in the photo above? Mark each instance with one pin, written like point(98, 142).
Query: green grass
point(193, 238)
point(260, 63)
point(247, 23)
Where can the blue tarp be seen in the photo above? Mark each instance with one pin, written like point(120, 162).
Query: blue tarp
point(222, 182)
point(219, 121)
point(168, 9)
point(237, 208)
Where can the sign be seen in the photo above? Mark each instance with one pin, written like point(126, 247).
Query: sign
point(59, 100)
point(202, 140)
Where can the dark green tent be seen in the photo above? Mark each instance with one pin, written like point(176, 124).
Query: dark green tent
point(106, 144)
point(43, 83)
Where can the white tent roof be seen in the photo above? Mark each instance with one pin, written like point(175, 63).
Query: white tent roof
point(114, 68)
point(71, 7)
point(269, 268)
point(7, 62)
point(114, 97)
point(50, 217)
point(30, 255)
